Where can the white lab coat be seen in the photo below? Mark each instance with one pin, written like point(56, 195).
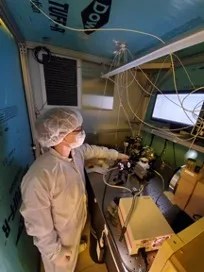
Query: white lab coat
point(54, 202)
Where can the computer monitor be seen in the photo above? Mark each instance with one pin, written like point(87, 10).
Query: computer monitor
point(180, 109)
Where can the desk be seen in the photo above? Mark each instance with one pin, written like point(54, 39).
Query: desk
point(113, 255)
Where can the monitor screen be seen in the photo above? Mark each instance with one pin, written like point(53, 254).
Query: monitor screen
point(168, 108)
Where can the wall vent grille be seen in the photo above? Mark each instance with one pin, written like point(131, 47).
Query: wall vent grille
point(61, 84)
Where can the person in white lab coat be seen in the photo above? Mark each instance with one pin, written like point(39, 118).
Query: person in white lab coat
point(53, 190)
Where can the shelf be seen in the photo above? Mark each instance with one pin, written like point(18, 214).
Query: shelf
point(174, 138)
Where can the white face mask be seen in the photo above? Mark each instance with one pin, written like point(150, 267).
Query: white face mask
point(79, 139)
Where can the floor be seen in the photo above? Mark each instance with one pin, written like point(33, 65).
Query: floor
point(85, 263)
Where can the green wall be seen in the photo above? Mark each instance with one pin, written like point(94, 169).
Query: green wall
point(174, 153)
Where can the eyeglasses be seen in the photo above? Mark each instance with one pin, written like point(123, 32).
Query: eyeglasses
point(79, 129)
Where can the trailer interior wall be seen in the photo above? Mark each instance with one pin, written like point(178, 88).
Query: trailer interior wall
point(101, 125)
point(17, 252)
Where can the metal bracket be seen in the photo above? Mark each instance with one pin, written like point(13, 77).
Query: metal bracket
point(22, 47)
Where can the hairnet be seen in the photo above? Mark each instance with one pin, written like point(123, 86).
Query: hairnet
point(55, 124)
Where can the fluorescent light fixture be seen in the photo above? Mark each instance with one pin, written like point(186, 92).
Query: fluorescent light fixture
point(188, 41)
point(97, 101)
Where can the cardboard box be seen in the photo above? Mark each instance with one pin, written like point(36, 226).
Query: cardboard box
point(196, 202)
point(182, 252)
point(186, 186)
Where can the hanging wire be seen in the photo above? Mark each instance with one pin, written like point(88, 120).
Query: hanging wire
point(193, 138)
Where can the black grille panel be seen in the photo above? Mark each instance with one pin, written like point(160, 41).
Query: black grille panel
point(60, 81)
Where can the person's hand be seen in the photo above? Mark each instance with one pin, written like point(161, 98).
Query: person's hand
point(123, 157)
point(63, 257)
